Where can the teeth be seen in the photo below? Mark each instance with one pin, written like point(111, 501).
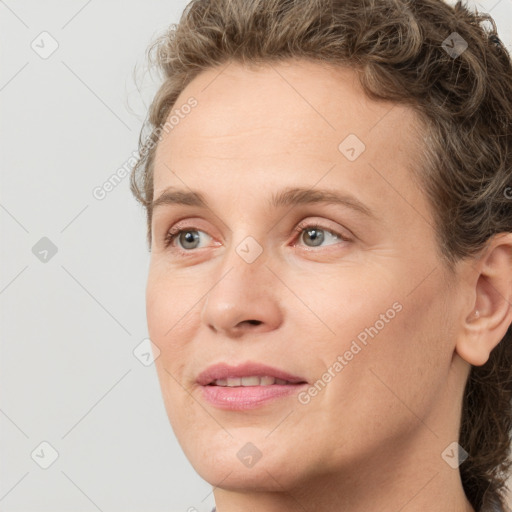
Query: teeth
point(249, 381)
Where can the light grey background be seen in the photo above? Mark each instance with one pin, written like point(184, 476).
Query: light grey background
point(68, 374)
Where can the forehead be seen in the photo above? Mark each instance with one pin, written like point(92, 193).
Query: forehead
point(283, 96)
point(295, 117)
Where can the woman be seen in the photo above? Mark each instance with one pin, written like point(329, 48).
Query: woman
point(327, 189)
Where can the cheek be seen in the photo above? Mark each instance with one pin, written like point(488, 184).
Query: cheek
point(171, 316)
point(401, 364)
point(168, 304)
point(169, 312)
point(393, 343)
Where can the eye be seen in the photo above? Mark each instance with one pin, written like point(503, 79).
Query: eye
point(313, 235)
point(188, 238)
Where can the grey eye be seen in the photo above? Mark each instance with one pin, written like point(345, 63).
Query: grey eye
point(189, 237)
point(316, 235)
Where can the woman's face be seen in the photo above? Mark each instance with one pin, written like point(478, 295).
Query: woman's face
point(349, 296)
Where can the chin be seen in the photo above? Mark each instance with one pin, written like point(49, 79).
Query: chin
point(236, 464)
point(233, 477)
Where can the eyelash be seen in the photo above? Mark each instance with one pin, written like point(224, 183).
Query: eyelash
point(173, 233)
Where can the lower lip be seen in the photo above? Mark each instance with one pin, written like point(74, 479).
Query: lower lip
point(247, 397)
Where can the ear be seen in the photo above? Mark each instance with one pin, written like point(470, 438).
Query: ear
point(489, 313)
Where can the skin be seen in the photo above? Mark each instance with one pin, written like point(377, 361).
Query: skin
point(374, 436)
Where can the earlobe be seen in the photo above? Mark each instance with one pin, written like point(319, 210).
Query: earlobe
point(490, 316)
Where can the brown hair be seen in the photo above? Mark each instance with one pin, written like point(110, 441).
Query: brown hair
point(404, 51)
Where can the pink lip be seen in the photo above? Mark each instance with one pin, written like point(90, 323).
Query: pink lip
point(223, 371)
point(246, 397)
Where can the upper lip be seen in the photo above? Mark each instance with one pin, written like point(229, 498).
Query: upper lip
point(223, 371)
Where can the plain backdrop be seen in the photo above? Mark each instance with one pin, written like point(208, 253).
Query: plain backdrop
point(76, 395)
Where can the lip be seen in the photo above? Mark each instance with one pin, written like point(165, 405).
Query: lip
point(223, 371)
point(240, 398)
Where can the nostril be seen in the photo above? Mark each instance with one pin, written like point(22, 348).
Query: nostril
point(254, 322)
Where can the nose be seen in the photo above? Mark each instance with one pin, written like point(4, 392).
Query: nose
point(243, 299)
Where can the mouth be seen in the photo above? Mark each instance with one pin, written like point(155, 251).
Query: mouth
point(247, 374)
point(254, 380)
point(246, 386)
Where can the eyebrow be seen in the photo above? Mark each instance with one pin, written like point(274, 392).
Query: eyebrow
point(293, 196)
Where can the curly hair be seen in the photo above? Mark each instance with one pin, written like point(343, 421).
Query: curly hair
point(446, 63)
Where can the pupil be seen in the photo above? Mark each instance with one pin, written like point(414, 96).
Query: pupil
point(190, 237)
point(316, 234)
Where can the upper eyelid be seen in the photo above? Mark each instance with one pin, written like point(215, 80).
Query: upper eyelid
point(191, 220)
point(304, 223)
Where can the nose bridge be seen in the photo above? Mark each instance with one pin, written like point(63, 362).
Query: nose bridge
point(242, 293)
point(245, 259)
